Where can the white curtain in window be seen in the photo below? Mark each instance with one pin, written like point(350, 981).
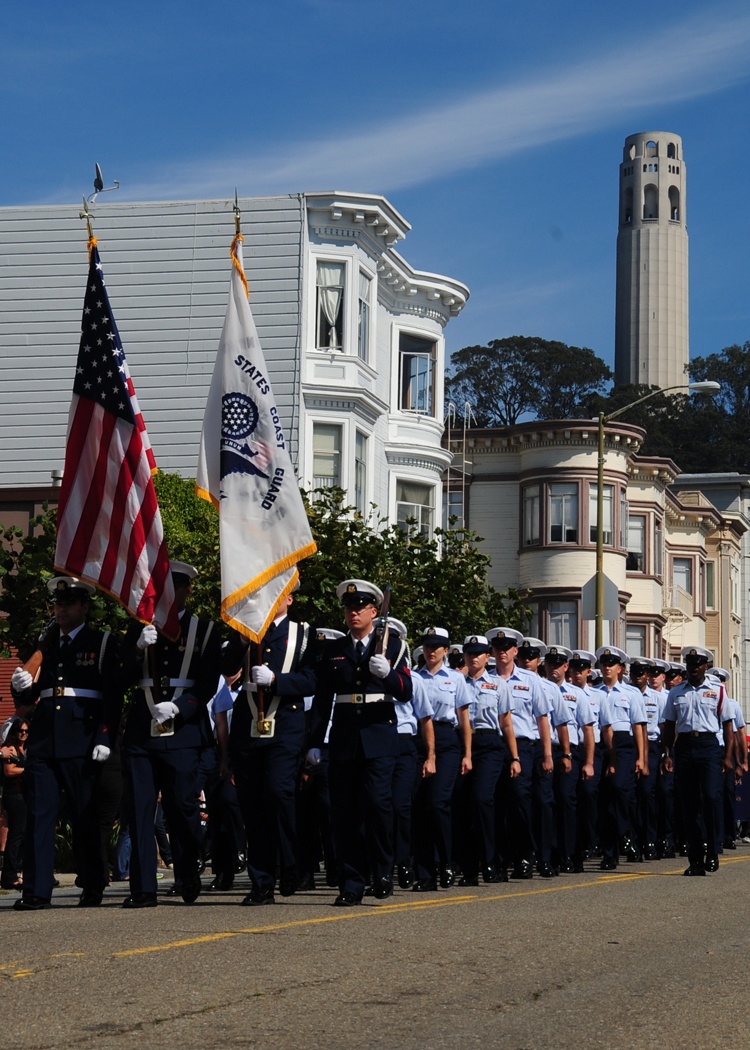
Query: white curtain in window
point(331, 293)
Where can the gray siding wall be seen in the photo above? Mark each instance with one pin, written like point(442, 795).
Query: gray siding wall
point(167, 269)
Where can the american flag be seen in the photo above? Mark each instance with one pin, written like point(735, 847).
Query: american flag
point(109, 529)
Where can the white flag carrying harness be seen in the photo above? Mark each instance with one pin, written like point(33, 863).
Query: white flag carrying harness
point(245, 470)
point(179, 684)
point(249, 687)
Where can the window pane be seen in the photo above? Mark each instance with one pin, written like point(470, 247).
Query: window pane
point(329, 306)
point(417, 374)
point(682, 574)
point(609, 496)
point(710, 585)
point(360, 472)
point(531, 516)
point(414, 506)
point(635, 640)
point(636, 560)
point(658, 550)
point(563, 513)
point(563, 624)
point(363, 319)
point(326, 455)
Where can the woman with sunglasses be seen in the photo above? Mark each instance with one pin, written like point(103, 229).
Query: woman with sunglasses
point(13, 758)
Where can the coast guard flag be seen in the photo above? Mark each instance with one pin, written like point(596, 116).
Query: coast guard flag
point(109, 528)
point(244, 469)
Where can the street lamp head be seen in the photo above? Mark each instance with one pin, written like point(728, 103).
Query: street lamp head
point(704, 386)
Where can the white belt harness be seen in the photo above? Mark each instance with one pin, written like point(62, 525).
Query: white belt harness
point(179, 684)
point(266, 727)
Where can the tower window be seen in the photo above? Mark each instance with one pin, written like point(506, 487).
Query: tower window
point(652, 149)
point(674, 204)
point(650, 202)
point(672, 150)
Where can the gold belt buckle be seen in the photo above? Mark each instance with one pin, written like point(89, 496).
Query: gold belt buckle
point(358, 698)
point(164, 682)
point(59, 690)
point(264, 726)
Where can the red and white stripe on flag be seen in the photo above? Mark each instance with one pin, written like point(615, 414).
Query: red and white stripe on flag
point(109, 528)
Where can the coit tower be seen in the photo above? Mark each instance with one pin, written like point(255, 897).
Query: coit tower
point(651, 312)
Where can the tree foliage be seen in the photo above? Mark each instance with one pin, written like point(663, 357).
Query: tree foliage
point(702, 433)
point(442, 580)
point(524, 376)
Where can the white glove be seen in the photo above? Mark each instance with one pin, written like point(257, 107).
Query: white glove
point(147, 637)
point(166, 709)
point(100, 753)
point(379, 666)
point(313, 757)
point(262, 675)
point(21, 680)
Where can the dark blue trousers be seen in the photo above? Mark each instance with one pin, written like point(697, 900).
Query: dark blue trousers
point(516, 840)
point(587, 808)
point(645, 798)
point(475, 826)
point(266, 780)
point(404, 786)
point(174, 774)
point(543, 809)
point(362, 809)
point(565, 792)
point(697, 770)
point(44, 779)
point(432, 809)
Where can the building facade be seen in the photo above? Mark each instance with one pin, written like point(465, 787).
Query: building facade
point(651, 308)
point(353, 337)
point(672, 558)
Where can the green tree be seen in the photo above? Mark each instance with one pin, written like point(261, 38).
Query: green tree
point(521, 375)
point(440, 580)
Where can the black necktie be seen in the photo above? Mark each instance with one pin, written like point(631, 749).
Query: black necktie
point(64, 644)
point(360, 651)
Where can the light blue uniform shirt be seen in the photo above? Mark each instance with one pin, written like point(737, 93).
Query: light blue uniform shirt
point(558, 712)
point(446, 692)
point(621, 708)
point(654, 704)
point(490, 700)
point(578, 709)
point(409, 714)
point(528, 701)
point(594, 698)
point(695, 708)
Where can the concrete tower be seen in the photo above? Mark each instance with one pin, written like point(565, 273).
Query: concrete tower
point(651, 314)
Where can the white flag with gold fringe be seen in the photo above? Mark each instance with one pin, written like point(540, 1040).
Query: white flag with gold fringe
point(245, 470)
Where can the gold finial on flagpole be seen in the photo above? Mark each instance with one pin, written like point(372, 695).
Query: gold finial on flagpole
point(237, 214)
point(86, 214)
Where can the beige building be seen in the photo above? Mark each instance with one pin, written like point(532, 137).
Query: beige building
point(651, 314)
point(671, 558)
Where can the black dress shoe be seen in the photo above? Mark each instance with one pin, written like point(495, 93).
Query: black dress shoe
point(257, 897)
point(523, 870)
point(425, 886)
point(695, 869)
point(650, 851)
point(566, 866)
point(405, 876)
point(222, 882)
point(382, 888)
point(332, 878)
point(546, 871)
point(468, 880)
point(306, 882)
point(578, 867)
point(729, 844)
point(447, 878)
point(32, 904)
point(240, 863)
point(89, 899)
point(174, 891)
point(140, 900)
point(191, 888)
point(631, 851)
point(712, 863)
point(667, 850)
point(491, 874)
point(346, 900)
point(288, 882)
point(608, 864)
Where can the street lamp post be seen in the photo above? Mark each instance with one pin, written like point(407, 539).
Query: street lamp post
point(704, 387)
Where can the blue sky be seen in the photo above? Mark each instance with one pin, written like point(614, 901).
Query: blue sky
point(495, 128)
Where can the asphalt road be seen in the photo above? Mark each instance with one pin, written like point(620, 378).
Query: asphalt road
point(637, 958)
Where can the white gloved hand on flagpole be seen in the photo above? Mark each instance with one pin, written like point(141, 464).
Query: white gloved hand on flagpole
point(147, 637)
point(166, 709)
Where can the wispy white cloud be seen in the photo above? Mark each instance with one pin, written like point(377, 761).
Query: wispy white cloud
point(698, 57)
